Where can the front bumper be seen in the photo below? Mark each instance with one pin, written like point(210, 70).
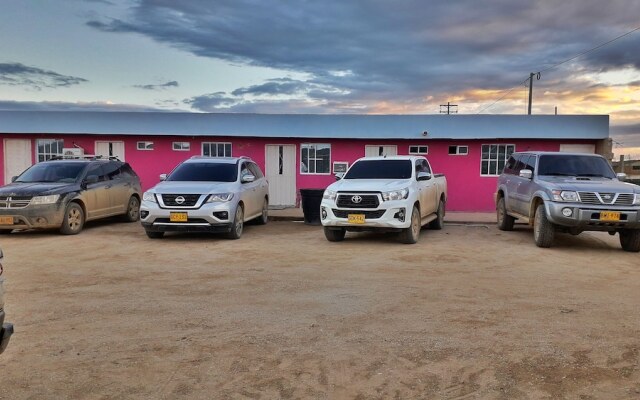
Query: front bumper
point(386, 216)
point(210, 217)
point(588, 217)
point(33, 217)
point(5, 332)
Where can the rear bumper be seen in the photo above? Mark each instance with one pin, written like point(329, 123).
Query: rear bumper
point(587, 218)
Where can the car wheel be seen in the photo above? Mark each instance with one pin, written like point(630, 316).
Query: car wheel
point(630, 240)
point(154, 234)
point(438, 223)
point(410, 235)
point(334, 235)
point(543, 230)
point(133, 210)
point(264, 217)
point(505, 221)
point(73, 221)
point(238, 224)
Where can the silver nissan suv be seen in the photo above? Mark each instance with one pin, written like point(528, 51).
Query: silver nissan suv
point(206, 194)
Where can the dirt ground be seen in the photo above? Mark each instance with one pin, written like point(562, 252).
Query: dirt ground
point(468, 312)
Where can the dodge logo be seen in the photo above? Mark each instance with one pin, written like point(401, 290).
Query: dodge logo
point(179, 199)
point(356, 199)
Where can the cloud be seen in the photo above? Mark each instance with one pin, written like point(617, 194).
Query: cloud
point(161, 86)
point(17, 74)
point(211, 102)
point(10, 105)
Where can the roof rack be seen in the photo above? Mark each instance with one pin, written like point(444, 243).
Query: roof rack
point(89, 157)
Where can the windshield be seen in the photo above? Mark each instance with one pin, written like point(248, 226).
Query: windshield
point(53, 172)
point(205, 172)
point(380, 169)
point(574, 165)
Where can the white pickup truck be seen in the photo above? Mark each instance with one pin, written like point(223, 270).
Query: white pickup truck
point(393, 194)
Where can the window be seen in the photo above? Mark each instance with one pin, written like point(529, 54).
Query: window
point(211, 149)
point(315, 158)
point(255, 170)
point(459, 150)
point(494, 157)
point(181, 146)
point(418, 149)
point(145, 145)
point(422, 166)
point(635, 167)
point(46, 149)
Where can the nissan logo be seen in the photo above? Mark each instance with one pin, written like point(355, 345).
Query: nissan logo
point(179, 200)
point(607, 197)
point(356, 199)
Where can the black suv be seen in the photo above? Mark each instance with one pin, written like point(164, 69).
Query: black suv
point(67, 192)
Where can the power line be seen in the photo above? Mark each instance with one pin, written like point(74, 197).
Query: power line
point(563, 62)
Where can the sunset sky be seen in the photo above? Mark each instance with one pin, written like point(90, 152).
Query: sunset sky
point(383, 57)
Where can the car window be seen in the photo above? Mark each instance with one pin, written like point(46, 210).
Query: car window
point(52, 172)
point(519, 163)
point(531, 163)
point(111, 170)
point(422, 166)
point(126, 171)
point(574, 165)
point(255, 170)
point(98, 171)
point(510, 166)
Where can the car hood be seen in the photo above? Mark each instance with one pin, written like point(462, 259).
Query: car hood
point(364, 185)
point(183, 187)
point(591, 184)
point(35, 188)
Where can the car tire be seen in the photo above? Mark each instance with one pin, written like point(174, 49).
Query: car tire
point(264, 217)
point(505, 221)
point(334, 235)
point(238, 224)
point(154, 234)
point(543, 229)
point(133, 210)
point(438, 223)
point(73, 221)
point(411, 234)
point(630, 240)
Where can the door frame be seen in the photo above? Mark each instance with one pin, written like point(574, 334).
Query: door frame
point(294, 170)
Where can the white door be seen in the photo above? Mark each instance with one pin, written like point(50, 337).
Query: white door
point(110, 149)
point(17, 157)
point(578, 148)
point(377, 151)
point(281, 174)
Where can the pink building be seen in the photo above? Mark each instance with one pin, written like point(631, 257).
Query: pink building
point(301, 151)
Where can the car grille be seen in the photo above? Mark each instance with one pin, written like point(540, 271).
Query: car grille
point(189, 221)
point(190, 200)
point(616, 199)
point(366, 200)
point(14, 201)
point(367, 214)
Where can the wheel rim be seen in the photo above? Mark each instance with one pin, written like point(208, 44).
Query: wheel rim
point(239, 222)
point(133, 208)
point(74, 219)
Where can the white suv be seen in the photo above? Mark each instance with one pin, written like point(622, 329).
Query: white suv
point(206, 194)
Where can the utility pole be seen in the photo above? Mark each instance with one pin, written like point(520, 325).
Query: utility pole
point(531, 75)
point(448, 106)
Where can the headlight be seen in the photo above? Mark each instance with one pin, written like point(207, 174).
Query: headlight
point(564, 195)
point(329, 195)
point(220, 197)
point(149, 196)
point(45, 199)
point(636, 199)
point(396, 194)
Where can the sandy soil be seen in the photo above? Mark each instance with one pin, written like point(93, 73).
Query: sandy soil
point(469, 312)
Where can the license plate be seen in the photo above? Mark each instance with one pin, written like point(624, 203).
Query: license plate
point(178, 217)
point(355, 218)
point(609, 216)
point(6, 220)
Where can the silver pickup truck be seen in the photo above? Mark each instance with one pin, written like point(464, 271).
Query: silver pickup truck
point(569, 193)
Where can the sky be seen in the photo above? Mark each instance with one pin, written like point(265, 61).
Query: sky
point(330, 56)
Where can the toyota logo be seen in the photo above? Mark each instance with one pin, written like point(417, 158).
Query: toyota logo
point(179, 199)
point(356, 199)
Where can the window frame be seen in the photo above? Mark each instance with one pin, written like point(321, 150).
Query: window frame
point(217, 144)
point(48, 155)
point(315, 149)
point(181, 146)
point(144, 146)
point(497, 161)
point(426, 152)
point(458, 152)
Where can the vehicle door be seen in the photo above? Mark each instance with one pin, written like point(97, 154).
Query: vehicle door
point(511, 180)
point(249, 190)
point(428, 188)
point(517, 186)
point(262, 186)
point(526, 187)
point(119, 190)
point(96, 195)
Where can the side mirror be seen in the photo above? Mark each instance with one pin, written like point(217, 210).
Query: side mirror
point(163, 177)
point(423, 176)
point(339, 175)
point(526, 173)
point(13, 178)
point(246, 178)
point(621, 176)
